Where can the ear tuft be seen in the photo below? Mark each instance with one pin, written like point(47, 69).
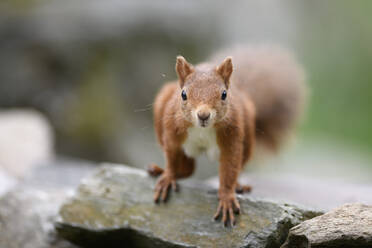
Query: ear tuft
point(183, 69)
point(225, 70)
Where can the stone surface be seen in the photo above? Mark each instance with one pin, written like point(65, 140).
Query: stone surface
point(324, 194)
point(28, 210)
point(346, 226)
point(115, 206)
point(27, 216)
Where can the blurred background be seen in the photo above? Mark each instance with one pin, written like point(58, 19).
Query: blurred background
point(93, 69)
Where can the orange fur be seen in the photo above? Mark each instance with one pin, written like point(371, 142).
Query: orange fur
point(265, 93)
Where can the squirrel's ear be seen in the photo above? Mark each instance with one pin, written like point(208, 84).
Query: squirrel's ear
point(183, 69)
point(225, 70)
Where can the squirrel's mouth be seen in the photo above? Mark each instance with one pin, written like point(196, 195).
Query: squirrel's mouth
point(203, 123)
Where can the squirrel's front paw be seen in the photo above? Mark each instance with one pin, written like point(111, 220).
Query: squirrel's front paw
point(162, 187)
point(227, 207)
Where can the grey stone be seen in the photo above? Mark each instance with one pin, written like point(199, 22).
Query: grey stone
point(28, 208)
point(114, 207)
point(27, 216)
point(347, 226)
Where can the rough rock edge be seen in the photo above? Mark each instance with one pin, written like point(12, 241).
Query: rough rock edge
point(293, 215)
point(297, 236)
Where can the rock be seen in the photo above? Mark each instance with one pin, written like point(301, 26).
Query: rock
point(346, 226)
point(115, 206)
point(28, 210)
point(27, 216)
point(26, 139)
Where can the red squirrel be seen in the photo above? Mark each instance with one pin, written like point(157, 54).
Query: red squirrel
point(223, 109)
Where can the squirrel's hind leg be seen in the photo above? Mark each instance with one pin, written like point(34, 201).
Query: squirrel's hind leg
point(184, 169)
point(154, 170)
point(242, 189)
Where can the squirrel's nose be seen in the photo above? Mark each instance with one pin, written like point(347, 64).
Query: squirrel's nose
point(203, 116)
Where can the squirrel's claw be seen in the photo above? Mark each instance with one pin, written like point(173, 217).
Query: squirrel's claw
point(227, 207)
point(162, 187)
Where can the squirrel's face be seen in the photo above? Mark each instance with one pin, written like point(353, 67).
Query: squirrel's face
point(204, 93)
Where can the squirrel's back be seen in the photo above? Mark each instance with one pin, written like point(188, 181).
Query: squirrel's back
point(274, 81)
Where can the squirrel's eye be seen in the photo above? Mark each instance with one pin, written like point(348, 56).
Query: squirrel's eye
point(184, 96)
point(224, 95)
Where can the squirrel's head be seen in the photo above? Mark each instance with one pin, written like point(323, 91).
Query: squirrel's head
point(204, 91)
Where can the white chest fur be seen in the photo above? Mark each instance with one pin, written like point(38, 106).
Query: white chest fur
point(201, 140)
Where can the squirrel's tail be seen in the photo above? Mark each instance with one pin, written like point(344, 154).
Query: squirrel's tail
point(275, 83)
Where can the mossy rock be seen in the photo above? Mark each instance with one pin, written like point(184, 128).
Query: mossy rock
point(114, 207)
